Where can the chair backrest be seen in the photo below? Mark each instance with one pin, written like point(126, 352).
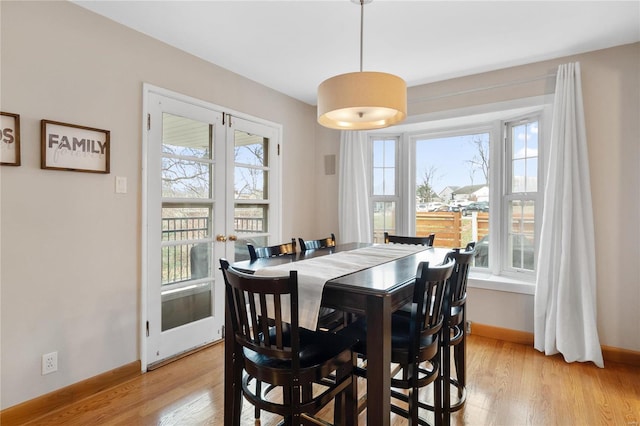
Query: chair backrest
point(427, 304)
point(397, 239)
point(272, 251)
point(458, 280)
point(317, 244)
point(248, 298)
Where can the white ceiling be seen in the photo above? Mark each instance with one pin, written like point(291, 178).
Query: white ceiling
point(292, 46)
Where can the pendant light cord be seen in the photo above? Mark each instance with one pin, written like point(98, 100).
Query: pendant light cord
point(361, 30)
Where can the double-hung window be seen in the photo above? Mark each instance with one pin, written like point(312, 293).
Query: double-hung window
point(521, 193)
point(384, 192)
point(464, 181)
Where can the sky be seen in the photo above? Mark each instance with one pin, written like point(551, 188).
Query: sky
point(450, 156)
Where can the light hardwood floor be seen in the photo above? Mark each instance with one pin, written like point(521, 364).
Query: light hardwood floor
point(509, 384)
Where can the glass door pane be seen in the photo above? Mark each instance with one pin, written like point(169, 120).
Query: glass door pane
point(252, 179)
point(187, 214)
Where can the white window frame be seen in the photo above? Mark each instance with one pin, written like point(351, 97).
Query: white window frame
point(396, 197)
point(491, 118)
point(413, 137)
point(508, 195)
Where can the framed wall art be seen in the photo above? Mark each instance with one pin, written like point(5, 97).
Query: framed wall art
point(9, 139)
point(71, 147)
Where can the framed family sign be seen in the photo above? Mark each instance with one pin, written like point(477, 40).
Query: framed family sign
point(70, 147)
point(9, 139)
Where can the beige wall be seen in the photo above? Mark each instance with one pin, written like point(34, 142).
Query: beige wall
point(327, 143)
point(70, 246)
point(70, 267)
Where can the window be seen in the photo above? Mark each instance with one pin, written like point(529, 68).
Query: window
point(472, 182)
point(452, 187)
point(384, 193)
point(521, 193)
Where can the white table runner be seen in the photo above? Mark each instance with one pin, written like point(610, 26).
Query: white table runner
point(315, 272)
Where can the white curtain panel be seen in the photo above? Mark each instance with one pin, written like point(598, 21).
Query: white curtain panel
point(565, 298)
point(353, 203)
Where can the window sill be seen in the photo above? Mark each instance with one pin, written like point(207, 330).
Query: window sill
point(489, 281)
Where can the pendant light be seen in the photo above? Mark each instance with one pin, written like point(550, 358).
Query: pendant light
point(362, 100)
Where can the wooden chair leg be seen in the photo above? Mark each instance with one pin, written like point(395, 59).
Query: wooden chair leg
point(460, 359)
point(286, 399)
point(256, 413)
point(346, 403)
point(351, 405)
point(437, 395)
point(445, 373)
point(236, 390)
point(459, 352)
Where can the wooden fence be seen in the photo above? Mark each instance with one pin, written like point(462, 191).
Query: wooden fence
point(450, 228)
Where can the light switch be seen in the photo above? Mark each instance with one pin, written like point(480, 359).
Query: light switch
point(121, 185)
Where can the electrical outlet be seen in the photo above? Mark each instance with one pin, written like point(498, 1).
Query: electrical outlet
point(49, 363)
point(468, 327)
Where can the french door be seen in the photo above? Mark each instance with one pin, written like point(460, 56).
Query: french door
point(211, 185)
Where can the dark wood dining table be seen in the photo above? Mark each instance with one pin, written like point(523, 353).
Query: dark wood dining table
point(375, 292)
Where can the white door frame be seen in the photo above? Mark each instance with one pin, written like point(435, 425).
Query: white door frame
point(275, 194)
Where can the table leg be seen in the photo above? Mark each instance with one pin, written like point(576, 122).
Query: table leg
point(232, 395)
point(378, 361)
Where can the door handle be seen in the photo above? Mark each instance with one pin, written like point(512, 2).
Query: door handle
point(233, 238)
point(221, 238)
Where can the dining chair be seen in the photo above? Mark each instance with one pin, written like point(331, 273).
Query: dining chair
point(317, 244)
point(398, 239)
point(454, 334)
point(415, 343)
point(272, 251)
point(328, 319)
point(311, 368)
point(265, 252)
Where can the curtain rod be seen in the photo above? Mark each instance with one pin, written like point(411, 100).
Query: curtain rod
point(480, 89)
